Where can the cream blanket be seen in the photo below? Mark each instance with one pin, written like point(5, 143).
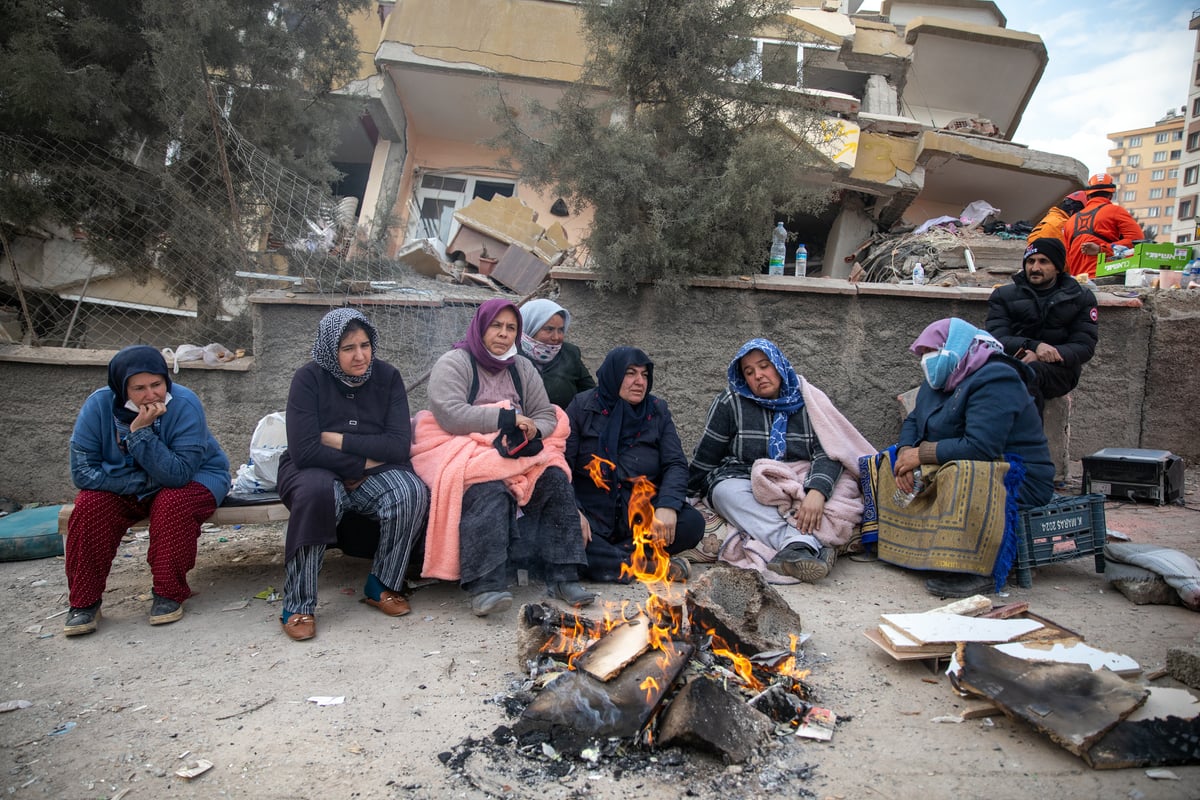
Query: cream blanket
point(448, 464)
point(781, 484)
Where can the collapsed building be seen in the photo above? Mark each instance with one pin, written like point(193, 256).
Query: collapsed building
point(921, 101)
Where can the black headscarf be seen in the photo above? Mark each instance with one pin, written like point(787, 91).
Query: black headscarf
point(624, 422)
point(127, 362)
point(329, 335)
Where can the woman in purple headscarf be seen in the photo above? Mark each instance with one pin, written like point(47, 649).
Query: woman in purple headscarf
point(482, 387)
point(970, 456)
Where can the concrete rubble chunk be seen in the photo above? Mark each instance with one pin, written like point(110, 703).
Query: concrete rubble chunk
point(706, 717)
point(743, 609)
point(1183, 664)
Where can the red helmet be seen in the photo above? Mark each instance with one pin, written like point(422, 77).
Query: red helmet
point(1078, 197)
point(1101, 182)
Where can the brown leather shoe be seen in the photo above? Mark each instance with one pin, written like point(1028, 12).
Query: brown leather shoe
point(390, 603)
point(300, 626)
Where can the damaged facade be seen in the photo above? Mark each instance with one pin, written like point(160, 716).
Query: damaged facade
point(921, 102)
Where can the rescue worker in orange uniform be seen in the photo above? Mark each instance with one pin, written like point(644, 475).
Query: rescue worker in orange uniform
point(1051, 226)
point(1100, 225)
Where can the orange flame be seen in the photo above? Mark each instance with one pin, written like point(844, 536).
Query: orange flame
point(741, 664)
point(650, 686)
point(595, 471)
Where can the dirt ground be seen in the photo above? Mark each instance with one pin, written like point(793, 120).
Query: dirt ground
point(117, 713)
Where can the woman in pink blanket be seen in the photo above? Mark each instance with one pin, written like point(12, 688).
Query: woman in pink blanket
point(491, 449)
point(779, 463)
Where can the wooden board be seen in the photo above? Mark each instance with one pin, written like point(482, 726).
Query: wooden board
point(1072, 652)
point(615, 649)
point(1164, 732)
point(941, 628)
point(874, 635)
point(1070, 703)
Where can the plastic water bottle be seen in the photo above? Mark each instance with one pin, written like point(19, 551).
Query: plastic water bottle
point(801, 261)
point(903, 499)
point(918, 274)
point(778, 250)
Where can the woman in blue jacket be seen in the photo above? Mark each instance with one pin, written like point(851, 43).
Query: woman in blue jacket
point(970, 456)
point(140, 448)
point(619, 432)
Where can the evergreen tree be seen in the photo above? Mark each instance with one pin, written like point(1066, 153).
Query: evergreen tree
point(110, 122)
point(686, 156)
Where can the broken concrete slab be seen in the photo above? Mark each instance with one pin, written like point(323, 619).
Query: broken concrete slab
point(743, 609)
point(706, 717)
point(1140, 586)
point(425, 257)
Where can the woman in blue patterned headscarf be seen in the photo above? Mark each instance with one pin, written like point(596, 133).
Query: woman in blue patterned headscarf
point(761, 415)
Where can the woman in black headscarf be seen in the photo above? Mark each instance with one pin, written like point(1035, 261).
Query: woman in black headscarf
point(619, 432)
point(141, 448)
point(349, 435)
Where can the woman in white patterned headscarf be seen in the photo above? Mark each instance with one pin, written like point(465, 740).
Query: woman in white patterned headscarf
point(560, 363)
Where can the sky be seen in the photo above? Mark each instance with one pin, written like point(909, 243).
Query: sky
point(1114, 65)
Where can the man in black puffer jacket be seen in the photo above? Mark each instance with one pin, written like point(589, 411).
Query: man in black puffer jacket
point(1046, 319)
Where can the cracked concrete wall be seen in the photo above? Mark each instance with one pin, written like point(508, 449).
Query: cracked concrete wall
point(1137, 392)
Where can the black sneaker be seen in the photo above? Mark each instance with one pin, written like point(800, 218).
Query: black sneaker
point(81, 620)
point(164, 610)
point(803, 562)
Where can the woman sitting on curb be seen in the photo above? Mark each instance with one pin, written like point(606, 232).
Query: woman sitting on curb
point(491, 447)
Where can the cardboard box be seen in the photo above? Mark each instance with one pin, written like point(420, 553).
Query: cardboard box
point(1145, 256)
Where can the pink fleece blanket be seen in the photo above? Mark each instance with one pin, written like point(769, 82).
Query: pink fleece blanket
point(781, 484)
point(449, 464)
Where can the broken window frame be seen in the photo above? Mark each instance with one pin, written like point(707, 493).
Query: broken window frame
point(447, 192)
point(753, 68)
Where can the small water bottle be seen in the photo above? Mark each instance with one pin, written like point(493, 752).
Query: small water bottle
point(903, 499)
point(918, 274)
point(778, 250)
point(801, 261)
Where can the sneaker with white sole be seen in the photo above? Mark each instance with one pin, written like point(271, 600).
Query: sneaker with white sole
point(803, 563)
point(164, 610)
point(81, 620)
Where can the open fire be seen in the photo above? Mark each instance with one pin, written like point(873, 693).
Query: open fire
point(626, 673)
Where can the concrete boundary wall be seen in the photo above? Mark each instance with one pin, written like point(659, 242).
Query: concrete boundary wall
point(850, 341)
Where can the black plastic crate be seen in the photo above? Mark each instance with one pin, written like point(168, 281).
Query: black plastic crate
point(1066, 528)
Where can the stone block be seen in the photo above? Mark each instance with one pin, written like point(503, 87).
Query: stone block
point(706, 717)
point(1183, 664)
point(743, 609)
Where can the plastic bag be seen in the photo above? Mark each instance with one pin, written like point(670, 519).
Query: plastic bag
point(217, 354)
point(184, 352)
point(976, 213)
point(267, 446)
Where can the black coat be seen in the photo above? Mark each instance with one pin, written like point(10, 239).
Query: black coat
point(1064, 316)
point(657, 453)
point(565, 376)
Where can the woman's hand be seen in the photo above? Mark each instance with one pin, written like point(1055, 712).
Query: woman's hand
point(812, 508)
point(587, 529)
point(907, 459)
point(663, 527)
point(331, 439)
point(527, 426)
point(146, 416)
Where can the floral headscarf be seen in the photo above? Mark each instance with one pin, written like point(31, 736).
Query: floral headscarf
point(789, 401)
point(958, 349)
point(329, 336)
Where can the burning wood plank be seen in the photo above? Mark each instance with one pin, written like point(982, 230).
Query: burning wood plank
point(620, 646)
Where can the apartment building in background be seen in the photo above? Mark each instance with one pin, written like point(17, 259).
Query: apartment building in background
point(1186, 227)
point(1146, 163)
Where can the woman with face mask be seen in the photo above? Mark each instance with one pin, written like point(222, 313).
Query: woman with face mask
point(544, 330)
point(491, 449)
point(971, 455)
